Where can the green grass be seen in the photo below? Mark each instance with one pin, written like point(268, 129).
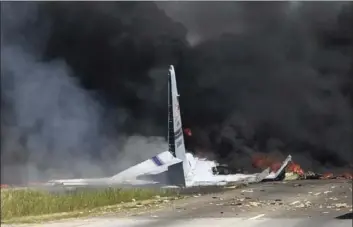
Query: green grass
point(27, 202)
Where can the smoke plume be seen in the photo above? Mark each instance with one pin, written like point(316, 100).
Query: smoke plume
point(269, 77)
point(52, 126)
point(83, 85)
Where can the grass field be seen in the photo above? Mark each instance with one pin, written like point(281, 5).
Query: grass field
point(29, 202)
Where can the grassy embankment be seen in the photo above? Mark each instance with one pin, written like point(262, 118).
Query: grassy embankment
point(33, 205)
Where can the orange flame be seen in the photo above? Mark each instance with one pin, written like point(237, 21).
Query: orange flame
point(263, 161)
point(295, 168)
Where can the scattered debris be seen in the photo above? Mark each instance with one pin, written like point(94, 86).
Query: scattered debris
point(327, 176)
point(347, 175)
point(231, 187)
point(249, 190)
point(301, 205)
point(291, 176)
point(295, 202)
point(254, 204)
point(256, 217)
point(311, 175)
point(307, 203)
point(341, 205)
point(295, 172)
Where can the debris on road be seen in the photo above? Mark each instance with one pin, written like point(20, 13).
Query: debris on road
point(295, 202)
point(341, 205)
point(255, 204)
point(249, 191)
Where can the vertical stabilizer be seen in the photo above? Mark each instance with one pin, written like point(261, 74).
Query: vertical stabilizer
point(175, 129)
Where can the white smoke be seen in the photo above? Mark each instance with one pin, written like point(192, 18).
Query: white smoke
point(51, 127)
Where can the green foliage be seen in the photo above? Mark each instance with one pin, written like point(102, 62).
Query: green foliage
point(27, 202)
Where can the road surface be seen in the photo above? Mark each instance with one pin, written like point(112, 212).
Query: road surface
point(276, 204)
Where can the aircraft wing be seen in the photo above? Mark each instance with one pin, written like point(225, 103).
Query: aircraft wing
point(154, 166)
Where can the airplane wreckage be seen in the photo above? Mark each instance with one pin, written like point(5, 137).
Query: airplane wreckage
point(176, 167)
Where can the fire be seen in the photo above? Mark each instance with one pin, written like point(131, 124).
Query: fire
point(187, 132)
point(347, 175)
point(327, 176)
point(275, 166)
point(295, 168)
point(263, 161)
point(260, 161)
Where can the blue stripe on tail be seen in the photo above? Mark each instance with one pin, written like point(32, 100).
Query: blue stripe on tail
point(157, 161)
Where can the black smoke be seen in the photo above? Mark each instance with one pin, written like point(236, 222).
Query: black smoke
point(279, 79)
point(253, 77)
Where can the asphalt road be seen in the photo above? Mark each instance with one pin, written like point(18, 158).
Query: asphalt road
point(296, 203)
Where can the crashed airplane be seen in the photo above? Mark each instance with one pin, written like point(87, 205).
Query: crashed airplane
point(174, 167)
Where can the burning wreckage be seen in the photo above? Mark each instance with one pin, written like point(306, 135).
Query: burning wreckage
point(294, 171)
point(176, 167)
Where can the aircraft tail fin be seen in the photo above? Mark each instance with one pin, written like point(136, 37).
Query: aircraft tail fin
point(175, 128)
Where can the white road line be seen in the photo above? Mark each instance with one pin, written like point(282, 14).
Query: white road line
point(256, 217)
